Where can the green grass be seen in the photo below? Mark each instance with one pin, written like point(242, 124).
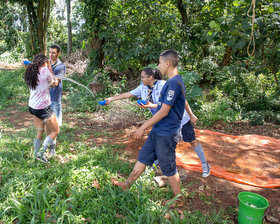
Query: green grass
point(32, 192)
point(13, 88)
point(62, 192)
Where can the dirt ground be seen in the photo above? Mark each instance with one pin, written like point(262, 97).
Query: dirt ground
point(203, 193)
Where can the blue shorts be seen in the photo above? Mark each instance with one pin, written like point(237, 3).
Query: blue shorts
point(161, 148)
point(43, 114)
point(188, 132)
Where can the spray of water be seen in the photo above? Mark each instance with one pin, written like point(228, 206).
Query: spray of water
point(62, 77)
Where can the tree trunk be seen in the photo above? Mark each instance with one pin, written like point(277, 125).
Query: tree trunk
point(227, 57)
point(183, 12)
point(97, 44)
point(69, 26)
point(38, 17)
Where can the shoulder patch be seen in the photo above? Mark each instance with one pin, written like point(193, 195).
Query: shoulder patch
point(170, 95)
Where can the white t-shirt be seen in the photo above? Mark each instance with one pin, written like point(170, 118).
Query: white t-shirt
point(142, 91)
point(40, 97)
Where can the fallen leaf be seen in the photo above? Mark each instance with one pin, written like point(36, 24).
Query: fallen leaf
point(119, 216)
point(167, 216)
point(201, 188)
point(272, 219)
point(161, 180)
point(180, 211)
point(95, 184)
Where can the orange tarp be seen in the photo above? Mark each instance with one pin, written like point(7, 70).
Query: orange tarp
point(247, 159)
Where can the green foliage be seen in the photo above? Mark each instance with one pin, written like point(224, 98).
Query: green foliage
point(212, 42)
point(57, 33)
point(255, 118)
point(62, 192)
point(136, 32)
point(13, 88)
point(191, 80)
point(12, 16)
point(93, 58)
point(81, 100)
point(217, 107)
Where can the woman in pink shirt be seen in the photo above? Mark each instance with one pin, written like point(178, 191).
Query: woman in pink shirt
point(38, 78)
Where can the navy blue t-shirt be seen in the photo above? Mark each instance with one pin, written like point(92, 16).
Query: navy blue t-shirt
point(56, 92)
point(173, 93)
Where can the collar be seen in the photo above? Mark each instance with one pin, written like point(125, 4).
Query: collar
point(153, 86)
point(56, 63)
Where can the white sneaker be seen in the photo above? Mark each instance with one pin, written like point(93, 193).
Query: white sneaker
point(206, 170)
point(52, 150)
point(42, 158)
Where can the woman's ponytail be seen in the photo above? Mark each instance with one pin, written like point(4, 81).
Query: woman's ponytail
point(32, 71)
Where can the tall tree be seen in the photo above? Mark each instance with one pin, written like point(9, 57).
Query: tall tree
point(38, 12)
point(69, 26)
point(95, 14)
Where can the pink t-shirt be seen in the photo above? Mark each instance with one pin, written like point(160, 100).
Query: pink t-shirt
point(40, 97)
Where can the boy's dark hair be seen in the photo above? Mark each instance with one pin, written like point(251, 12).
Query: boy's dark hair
point(56, 46)
point(153, 72)
point(172, 56)
point(32, 71)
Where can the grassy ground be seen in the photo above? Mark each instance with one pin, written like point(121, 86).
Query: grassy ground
point(75, 187)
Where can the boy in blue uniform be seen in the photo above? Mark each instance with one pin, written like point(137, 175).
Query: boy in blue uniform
point(162, 140)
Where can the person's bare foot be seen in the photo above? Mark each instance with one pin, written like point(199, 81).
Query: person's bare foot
point(123, 185)
point(178, 202)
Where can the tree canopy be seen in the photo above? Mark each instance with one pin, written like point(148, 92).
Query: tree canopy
point(219, 41)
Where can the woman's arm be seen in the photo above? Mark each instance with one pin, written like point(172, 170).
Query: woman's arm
point(190, 113)
point(118, 97)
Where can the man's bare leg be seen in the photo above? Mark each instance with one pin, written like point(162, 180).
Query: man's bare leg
point(136, 172)
point(174, 182)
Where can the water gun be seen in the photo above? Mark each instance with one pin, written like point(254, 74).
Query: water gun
point(25, 62)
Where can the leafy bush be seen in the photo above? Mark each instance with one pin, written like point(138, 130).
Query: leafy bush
point(217, 107)
point(81, 100)
point(11, 56)
point(63, 191)
point(13, 88)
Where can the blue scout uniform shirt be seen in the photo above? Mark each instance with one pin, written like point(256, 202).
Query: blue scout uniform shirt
point(173, 94)
point(56, 92)
point(142, 91)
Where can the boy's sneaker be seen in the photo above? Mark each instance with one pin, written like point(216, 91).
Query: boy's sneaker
point(52, 150)
point(206, 169)
point(39, 151)
point(42, 158)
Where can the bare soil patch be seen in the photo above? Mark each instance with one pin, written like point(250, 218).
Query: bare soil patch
point(203, 193)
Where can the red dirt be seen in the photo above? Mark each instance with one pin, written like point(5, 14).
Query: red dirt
point(217, 191)
point(249, 159)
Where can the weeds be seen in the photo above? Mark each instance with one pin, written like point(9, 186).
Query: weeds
point(63, 192)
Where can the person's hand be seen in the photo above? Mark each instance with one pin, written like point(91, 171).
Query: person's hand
point(49, 65)
point(193, 119)
point(108, 100)
point(55, 83)
point(141, 105)
point(148, 105)
point(139, 133)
